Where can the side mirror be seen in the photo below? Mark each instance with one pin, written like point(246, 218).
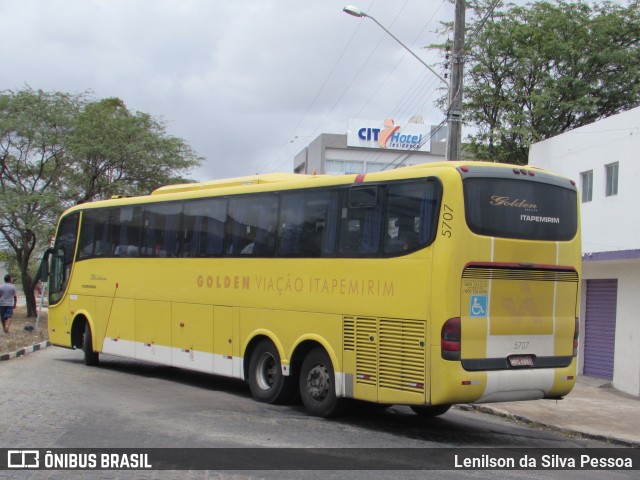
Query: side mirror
point(43, 271)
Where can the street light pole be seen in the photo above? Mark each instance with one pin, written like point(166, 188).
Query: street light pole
point(356, 12)
point(454, 117)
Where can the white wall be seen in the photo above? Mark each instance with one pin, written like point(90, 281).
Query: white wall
point(626, 362)
point(608, 223)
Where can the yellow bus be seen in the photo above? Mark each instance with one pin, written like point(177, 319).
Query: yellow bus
point(426, 286)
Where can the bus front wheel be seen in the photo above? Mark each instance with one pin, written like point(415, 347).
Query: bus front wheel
point(266, 380)
point(318, 385)
point(90, 357)
point(430, 410)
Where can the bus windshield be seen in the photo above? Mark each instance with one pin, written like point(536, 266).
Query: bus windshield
point(520, 209)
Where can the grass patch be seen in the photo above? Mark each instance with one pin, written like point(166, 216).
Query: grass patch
point(18, 337)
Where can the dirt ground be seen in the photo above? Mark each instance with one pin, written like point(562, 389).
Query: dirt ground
point(18, 337)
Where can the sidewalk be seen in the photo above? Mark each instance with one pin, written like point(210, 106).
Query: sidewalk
point(593, 409)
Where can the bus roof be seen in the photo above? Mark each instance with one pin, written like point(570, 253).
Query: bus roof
point(282, 177)
point(232, 182)
point(265, 182)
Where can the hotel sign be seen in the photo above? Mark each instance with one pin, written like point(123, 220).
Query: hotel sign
point(388, 135)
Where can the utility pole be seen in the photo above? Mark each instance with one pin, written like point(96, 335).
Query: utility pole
point(454, 121)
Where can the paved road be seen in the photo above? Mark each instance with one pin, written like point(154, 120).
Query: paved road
point(49, 399)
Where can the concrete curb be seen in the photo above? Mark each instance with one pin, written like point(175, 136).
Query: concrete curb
point(541, 424)
point(25, 350)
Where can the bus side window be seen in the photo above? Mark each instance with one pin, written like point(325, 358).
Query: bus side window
point(126, 230)
point(251, 225)
point(305, 221)
point(411, 216)
point(94, 234)
point(160, 235)
point(203, 227)
point(361, 222)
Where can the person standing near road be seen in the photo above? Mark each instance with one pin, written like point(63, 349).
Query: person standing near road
point(8, 301)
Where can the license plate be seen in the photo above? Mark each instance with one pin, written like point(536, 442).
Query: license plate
point(521, 361)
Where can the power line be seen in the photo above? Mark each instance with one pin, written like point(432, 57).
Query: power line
point(346, 90)
point(350, 84)
point(403, 55)
point(317, 95)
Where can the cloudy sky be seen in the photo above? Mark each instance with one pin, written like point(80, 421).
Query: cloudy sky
point(247, 83)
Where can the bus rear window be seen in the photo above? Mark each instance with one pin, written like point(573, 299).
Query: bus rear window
point(520, 209)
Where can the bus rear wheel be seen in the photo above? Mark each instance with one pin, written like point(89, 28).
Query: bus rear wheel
point(430, 410)
point(266, 381)
point(318, 385)
point(90, 357)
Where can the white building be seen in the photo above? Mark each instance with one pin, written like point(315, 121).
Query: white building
point(604, 159)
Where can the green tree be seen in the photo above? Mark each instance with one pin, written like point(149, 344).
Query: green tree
point(57, 150)
point(117, 152)
point(539, 70)
point(34, 126)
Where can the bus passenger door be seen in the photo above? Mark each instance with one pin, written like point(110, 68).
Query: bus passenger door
point(192, 336)
point(60, 330)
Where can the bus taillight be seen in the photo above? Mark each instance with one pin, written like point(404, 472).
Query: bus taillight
point(450, 339)
point(576, 333)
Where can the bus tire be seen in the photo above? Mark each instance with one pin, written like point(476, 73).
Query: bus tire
point(266, 380)
point(90, 357)
point(430, 410)
point(318, 385)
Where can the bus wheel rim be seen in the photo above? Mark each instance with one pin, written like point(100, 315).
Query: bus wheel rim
point(318, 382)
point(266, 371)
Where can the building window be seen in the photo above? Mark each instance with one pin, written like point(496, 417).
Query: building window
point(612, 179)
point(344, 166)
point(587, 186)
point(375, 167)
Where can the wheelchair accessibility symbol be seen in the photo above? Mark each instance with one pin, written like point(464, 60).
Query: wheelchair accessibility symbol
point(478, 306)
